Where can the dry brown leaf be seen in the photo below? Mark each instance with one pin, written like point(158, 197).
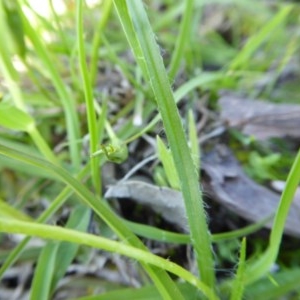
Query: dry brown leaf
point(260, 118)
point(231, 187)
point(224, 181)
point(164, 201)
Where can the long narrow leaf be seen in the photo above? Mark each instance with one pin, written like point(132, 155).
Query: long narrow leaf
point(183, 37)
point(72, 123)
point(41, 284)
point(239, 283)
point(160, 278)
point(132, 15)
point(263, 265)
point(88, 92)
point(73, 236)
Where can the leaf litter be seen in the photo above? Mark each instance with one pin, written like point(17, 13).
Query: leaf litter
point(260, 118)
point(224, 179)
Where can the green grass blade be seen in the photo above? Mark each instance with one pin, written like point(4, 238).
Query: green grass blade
point(91, 114)
point(167, 161)
point(255, 41)
point(54, 206)
point(17, 118)
point(73, 236)
point(165, 236)
point(165, 285)
point(72, 123)
point(262, 266)
point(239, 282)
point(193, 139)
point(105, 14)
point(147, 292)
point(14, 118)
point(8, 211)
point(40, 288)
point(183, 37)
point(183, 90)
point(66, 252)
point(142, 41)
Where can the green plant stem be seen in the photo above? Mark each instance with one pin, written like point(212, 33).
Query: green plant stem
point(141, 38)
point(165, 236)
point(73, 236)
point(68, 103)
point(165, 285)
point(91, 114)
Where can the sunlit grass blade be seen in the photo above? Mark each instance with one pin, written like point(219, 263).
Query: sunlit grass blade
point(89, 100)
point(69, 105)
point(73, 236)
point(163, 282)
point(142, 41)
point(16, 117)
point(8, 211)
point(105, 13)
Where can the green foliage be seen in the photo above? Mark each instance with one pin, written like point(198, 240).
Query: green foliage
point(239, 282)
point(54, 95)
point(262, 168)
point(11, 22)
